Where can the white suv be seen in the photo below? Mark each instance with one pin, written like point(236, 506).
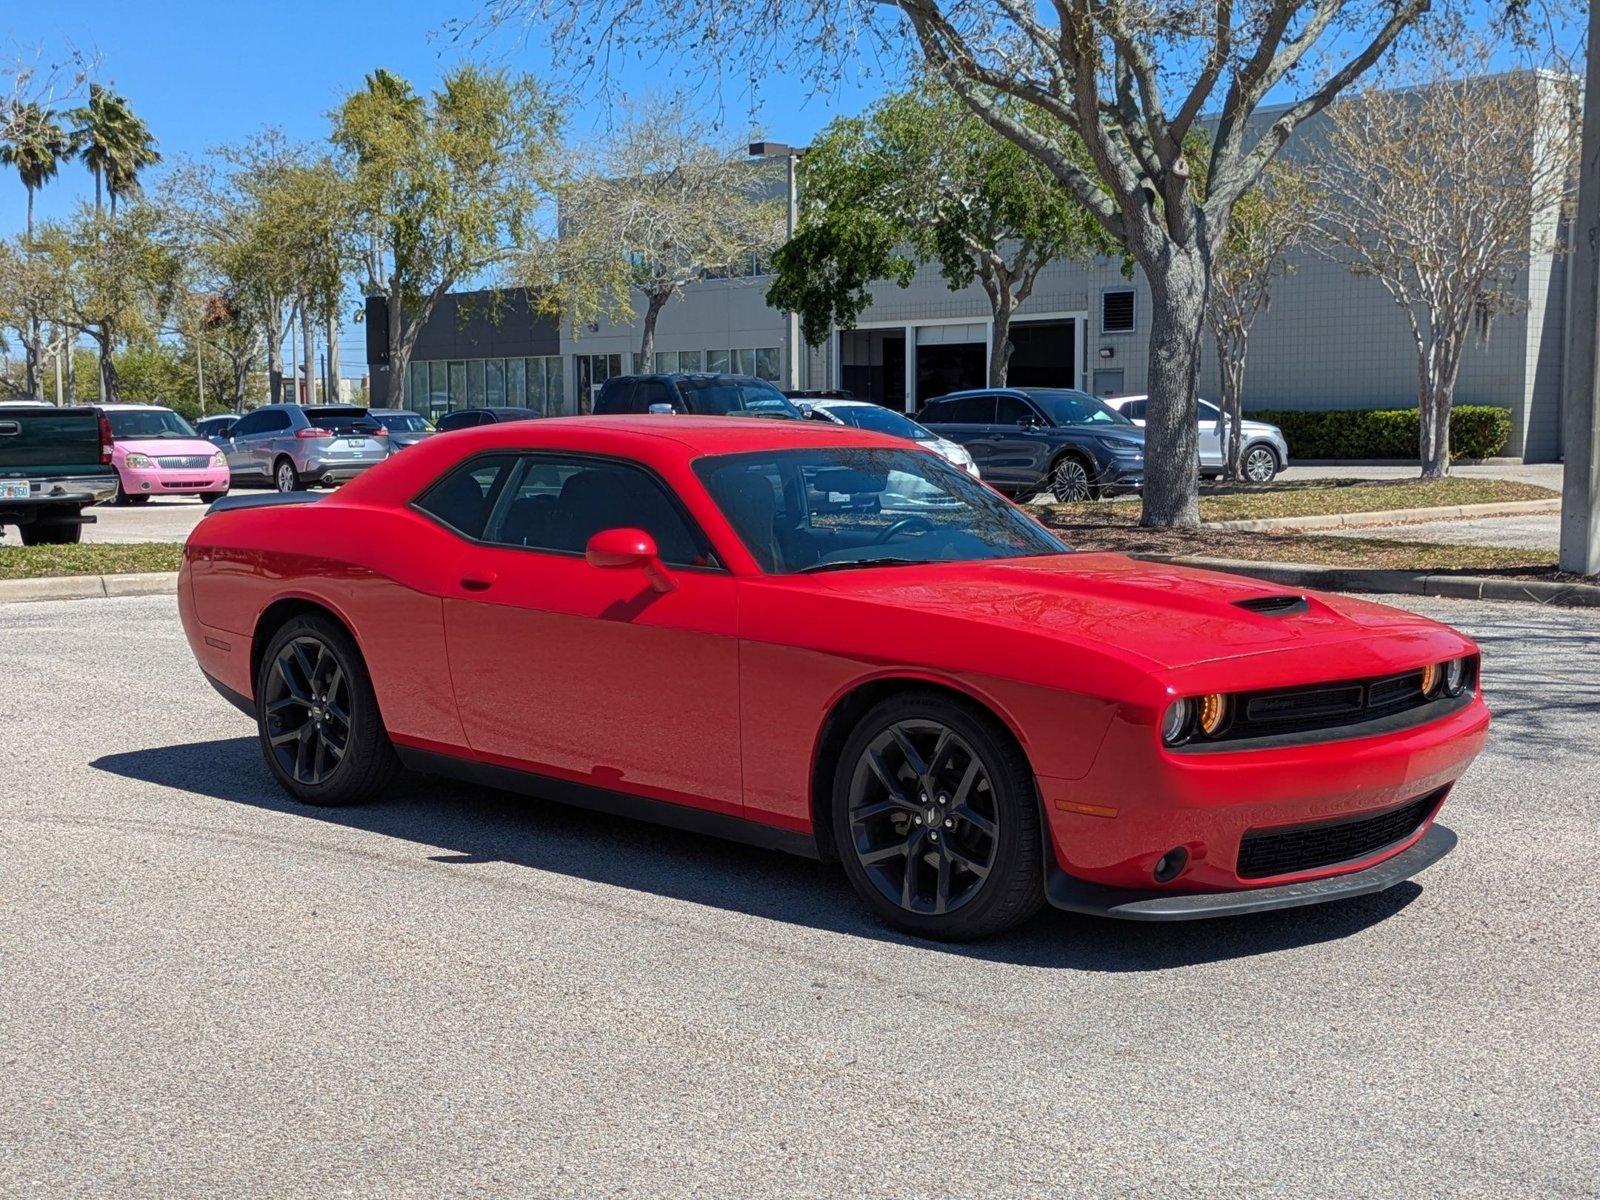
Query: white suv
point(1266, 452)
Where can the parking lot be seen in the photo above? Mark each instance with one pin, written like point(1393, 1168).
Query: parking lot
point(209, 991)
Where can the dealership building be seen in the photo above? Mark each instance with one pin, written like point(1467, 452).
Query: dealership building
point(1329, 340)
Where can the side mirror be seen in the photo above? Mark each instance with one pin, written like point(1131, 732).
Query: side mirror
point(611, 549)
point(661, 410)
point(1029, 421)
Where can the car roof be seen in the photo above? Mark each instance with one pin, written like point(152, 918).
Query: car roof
point(696, 375)
point(120, 407)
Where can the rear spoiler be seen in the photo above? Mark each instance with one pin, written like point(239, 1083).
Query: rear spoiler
point(263, 500)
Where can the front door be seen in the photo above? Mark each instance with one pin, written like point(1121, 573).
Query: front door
point(1020, 445)
point(1211, 436)
point(587, 674)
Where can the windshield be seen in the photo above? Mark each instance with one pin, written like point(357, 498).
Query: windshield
point(130, 424)
point(406, 423)
point(1076, 408)
point(878, 420)
point(343, 420)
point(736, 398)
point(834, 509)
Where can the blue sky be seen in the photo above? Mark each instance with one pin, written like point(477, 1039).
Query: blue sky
point(202, 74)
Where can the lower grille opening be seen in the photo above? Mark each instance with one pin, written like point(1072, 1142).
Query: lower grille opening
point(1306, 848)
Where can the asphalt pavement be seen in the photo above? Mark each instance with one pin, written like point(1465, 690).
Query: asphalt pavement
point(206, 990)
point(1527, 531)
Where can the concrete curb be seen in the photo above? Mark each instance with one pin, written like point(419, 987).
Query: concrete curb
point(1390, 516)
point(87, 587)
point(1408, 583)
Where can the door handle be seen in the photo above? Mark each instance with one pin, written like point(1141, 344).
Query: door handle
point(478, 581)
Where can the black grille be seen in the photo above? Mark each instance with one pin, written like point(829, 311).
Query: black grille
point(1325, 706)
point(1305, 848)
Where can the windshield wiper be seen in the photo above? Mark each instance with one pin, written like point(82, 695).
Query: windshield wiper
point(846, 564)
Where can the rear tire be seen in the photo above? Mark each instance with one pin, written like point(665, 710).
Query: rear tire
point(285, 478)
point(51, 533)
point(317, 716)
point(936, 819)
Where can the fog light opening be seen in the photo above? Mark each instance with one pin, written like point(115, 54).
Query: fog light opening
point(1171, 864)
point(144, 485)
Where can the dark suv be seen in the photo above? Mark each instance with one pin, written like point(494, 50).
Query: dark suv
point(1028, 440)
point(700, 395)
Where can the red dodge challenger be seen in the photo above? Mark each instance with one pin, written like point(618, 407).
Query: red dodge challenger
point(823, 640)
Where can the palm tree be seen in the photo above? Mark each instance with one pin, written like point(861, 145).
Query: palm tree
point(37, 147)
point(116, 144)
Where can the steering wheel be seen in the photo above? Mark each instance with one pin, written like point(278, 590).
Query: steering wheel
point(903, 525)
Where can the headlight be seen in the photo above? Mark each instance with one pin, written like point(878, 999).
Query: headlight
point(1175, 725)
point(1455, 677)
point(1123, 447)
point(139, 462)
point(219, 459)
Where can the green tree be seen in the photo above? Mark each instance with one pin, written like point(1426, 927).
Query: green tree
point(115, 144)
point(919, 178)
point(444, 189)
point(659, 205)
point(36, 145)
point(114, 283)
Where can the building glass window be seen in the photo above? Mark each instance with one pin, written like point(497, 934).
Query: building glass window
point(439, 388)
point(515, 383)
point(744, 362)
point(474, 384)
point(494, 377)
point(417, 387)
point(767, 364)
point(689, 361)
point(666, 362)
point(555, 386)
point(593, 370)
point(717, 361)
point(458, 385)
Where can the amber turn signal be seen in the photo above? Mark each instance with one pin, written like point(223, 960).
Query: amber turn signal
point(1213, 713)
point(1430, 678)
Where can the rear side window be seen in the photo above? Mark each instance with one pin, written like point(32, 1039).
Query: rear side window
point(459, 420)
point(970, 410)
point(1134, 410)
point(614, 396)
point(652, 391)
point(261, 422)
point(351, 420)
point(464, 498)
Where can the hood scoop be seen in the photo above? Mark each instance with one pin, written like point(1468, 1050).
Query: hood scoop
point(1274, 606)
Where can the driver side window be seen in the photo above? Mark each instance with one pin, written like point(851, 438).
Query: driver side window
point(1010, 410)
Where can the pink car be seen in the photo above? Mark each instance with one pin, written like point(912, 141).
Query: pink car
point(157, 453)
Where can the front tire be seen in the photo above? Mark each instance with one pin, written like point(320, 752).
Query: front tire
point(1069, 481)
point(317, 716)
point(285, 478)
point(936, 821)
point(1260, 464)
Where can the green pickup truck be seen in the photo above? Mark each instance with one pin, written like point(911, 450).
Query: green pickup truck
point(54, 463)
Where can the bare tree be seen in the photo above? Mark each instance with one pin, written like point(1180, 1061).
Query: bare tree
point(1267, 221)
point(1442, 193)
point(659, 205)
point(1129, 79)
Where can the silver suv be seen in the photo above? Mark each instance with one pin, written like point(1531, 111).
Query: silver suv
point(294, 446)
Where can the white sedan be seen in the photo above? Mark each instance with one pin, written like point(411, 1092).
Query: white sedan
point(1266, 450)
point(863, 414)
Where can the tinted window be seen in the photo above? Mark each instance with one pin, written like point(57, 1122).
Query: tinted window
point(343, 420)
point(459, 420)
point(1009, 410)
point(971, 410)
point(613, 397)
point(1066, 407)
point(736, 397)
point(652, 391)
point(464, 497)
point(800, 510)
point(559, 503)
point(1133, 410)
point(1208, 412)
point(261, 422)
point(407, 422)
point(877, 419)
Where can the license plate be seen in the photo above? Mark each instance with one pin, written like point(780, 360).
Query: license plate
point(14, 489)
point(352, 443)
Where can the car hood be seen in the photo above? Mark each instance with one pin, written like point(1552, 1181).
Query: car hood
point(166, 447)
point(1163, 615)
point(1257, 427)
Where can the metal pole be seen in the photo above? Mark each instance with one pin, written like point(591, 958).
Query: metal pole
point(1580, 403)
point(60, 349)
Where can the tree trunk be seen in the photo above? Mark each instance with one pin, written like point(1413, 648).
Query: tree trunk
point(308, 353)
point(1000, 338)
point(1172, 454)
point(334, 391)
point(1438, 368)
point(69, 347)
point(647, 344)
point(1231, 349)
point(241, 378)
point(97, 192)
point(108, 371)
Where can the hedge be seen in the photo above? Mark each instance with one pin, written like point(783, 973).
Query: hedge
point(1476, 431)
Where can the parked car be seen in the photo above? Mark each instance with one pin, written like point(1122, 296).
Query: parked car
point(295, 446)
point(404, 427)
point(214, 429)
point(970, 718)
point(1266, 450)
point(863, 414)
point(698, 395)
point(819, 394)
point(54, 463)
point(1028, 440)
point(158, 453)
point(467, 418)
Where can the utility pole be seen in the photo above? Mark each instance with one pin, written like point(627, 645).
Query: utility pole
point(1580, 402)
point(791, 157)
point(200, 376)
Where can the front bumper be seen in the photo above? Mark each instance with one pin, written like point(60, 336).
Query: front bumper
point(1074, 895)
point(1121, 474)
point(168, 481)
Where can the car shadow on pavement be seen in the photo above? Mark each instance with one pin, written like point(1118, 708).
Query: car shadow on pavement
point(457, 824)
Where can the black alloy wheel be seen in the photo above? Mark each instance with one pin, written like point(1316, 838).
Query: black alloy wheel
point(936, 819)
point(317, 715)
